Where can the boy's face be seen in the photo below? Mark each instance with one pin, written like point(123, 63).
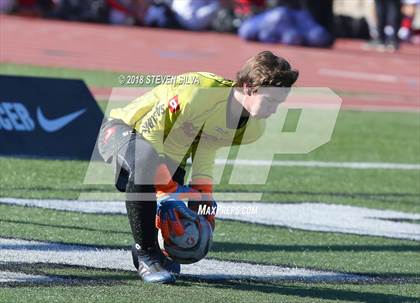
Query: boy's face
point(263, 103)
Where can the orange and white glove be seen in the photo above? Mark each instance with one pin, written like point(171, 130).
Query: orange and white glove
point(170, 204)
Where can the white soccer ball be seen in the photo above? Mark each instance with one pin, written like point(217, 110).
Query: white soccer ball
point(202, 235)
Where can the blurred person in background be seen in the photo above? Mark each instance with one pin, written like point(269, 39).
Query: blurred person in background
point(28, 8)
point(290, 23)
point(7, 6)
point(195, 15)
point(81, 10)
point(409, 12)
point(127, 12)
point(388, 14)
point(321, 11)
point(160, 14)
point(248, 7)
point(354, 19)
point(233, 12)
point(32, 8)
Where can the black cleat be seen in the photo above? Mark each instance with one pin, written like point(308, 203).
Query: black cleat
point(150, 265)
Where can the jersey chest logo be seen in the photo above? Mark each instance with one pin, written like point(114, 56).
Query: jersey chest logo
point(173, 104)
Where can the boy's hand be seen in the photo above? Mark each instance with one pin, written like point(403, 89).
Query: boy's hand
point(168, 213)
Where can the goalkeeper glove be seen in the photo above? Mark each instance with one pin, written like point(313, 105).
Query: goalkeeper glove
point(168, 213)
point(170, 206)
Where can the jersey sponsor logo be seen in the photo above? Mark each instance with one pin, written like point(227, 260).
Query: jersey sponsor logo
point(150, 123)
point(173, 104)
point(53, 125)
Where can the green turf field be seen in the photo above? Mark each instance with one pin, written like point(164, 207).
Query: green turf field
point(358, 137)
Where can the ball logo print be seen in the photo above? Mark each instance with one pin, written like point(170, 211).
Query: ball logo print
point(173, 104)
point(190, 236)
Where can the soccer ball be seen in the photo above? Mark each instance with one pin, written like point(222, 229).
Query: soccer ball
point(190, 236)
point(190, 247)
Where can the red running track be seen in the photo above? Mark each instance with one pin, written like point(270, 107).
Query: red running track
point(364, 79)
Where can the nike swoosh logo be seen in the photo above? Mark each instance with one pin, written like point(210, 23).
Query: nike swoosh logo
point(53, 125)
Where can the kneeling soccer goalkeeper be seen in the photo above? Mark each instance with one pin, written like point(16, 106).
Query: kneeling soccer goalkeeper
point(151, 138)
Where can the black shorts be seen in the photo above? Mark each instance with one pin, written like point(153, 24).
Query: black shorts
point(113, 134)
point(133, 157)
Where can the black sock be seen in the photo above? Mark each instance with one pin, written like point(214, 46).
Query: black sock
point(136, 163)
point(141, 215)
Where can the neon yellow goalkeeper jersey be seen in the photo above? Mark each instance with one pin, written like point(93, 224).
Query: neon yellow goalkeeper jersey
point(188, 118)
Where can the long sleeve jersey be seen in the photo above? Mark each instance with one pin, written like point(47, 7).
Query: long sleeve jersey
point(188, 118)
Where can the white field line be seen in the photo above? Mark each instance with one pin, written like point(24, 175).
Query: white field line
point(17, 277)
point(321, 164)
point(306, 216)
point(22, 251)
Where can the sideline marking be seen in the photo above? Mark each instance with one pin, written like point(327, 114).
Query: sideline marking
point(322, 164)
point(18, 277)
point(15, 250)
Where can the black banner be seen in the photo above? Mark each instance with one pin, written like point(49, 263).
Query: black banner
point(46, 117)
